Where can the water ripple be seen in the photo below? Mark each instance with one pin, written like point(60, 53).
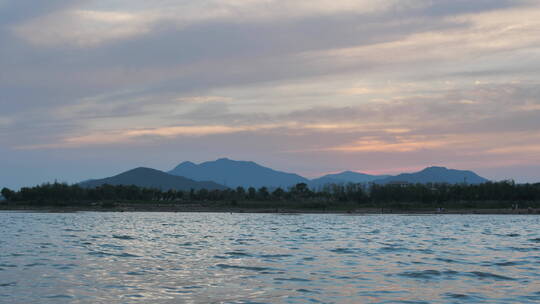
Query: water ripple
point(268, 258)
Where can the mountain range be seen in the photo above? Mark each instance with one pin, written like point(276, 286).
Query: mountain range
point(226, 173)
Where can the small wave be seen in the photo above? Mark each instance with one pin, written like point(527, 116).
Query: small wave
point(245, 240)
point(523, 249)
point(535, 296)
point(275, 256)
point(488, 275)
point(302, 290)
point(377, 293)
point(448, 239)
point(292, 279)
point(457, 296)
point(238, 253)
point(100, 253)
point(60, 296)
point(341, 277)
point(10, 284)
point(343, 250)
point(117, 286)
point(393, 249)
point(273, 272)
point(69, 235)
point(252, 268)
point(446, 260)
point(8, 265)
point(122, 255)
point(34, 264)
point(126, 255)
point(73, 230)
point(463, 297)
point(192, 287)
point(232, 255)
point(507, 263)
point(64, 266)
point(425, 274)
point(111, 246)
point(123, 237)
point(536, 240)
point(176, 236)
point(180, 291)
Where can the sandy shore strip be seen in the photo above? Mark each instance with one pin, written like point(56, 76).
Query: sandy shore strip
point(202, 208)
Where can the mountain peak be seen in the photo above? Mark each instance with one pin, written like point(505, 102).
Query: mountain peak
point(186, 164)
point(140, 171)
point(437, 174)
point(236, 173)
point(228, 161)
point(435, 168)
point(152, 178)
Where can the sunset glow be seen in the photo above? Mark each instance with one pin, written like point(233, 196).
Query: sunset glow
point(96, 87)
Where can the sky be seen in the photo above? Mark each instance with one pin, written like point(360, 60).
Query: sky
point(92, 88)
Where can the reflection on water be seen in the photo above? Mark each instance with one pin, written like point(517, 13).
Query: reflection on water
point(268, 258)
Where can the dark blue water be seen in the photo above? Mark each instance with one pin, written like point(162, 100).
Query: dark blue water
point(268, 258)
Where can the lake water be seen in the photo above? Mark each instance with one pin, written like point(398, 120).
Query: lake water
point(268, 258)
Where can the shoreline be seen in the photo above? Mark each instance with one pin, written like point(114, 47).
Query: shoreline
point(195, 208)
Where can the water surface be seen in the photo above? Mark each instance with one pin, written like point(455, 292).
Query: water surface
point(268, 258)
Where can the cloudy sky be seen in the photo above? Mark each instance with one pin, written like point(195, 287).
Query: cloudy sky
point(92, 88)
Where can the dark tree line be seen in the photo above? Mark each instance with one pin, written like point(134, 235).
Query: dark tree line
point(491, 194)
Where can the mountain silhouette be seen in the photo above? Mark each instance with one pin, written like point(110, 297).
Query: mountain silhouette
point(233, 173)
point(223, 173)
point(436, 175)
point(344, 178)
point(151, 178)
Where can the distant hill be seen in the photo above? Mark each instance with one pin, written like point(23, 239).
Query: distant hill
point(234, 173)
point(151, 178)
point(436, 175)
point(344, 177)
